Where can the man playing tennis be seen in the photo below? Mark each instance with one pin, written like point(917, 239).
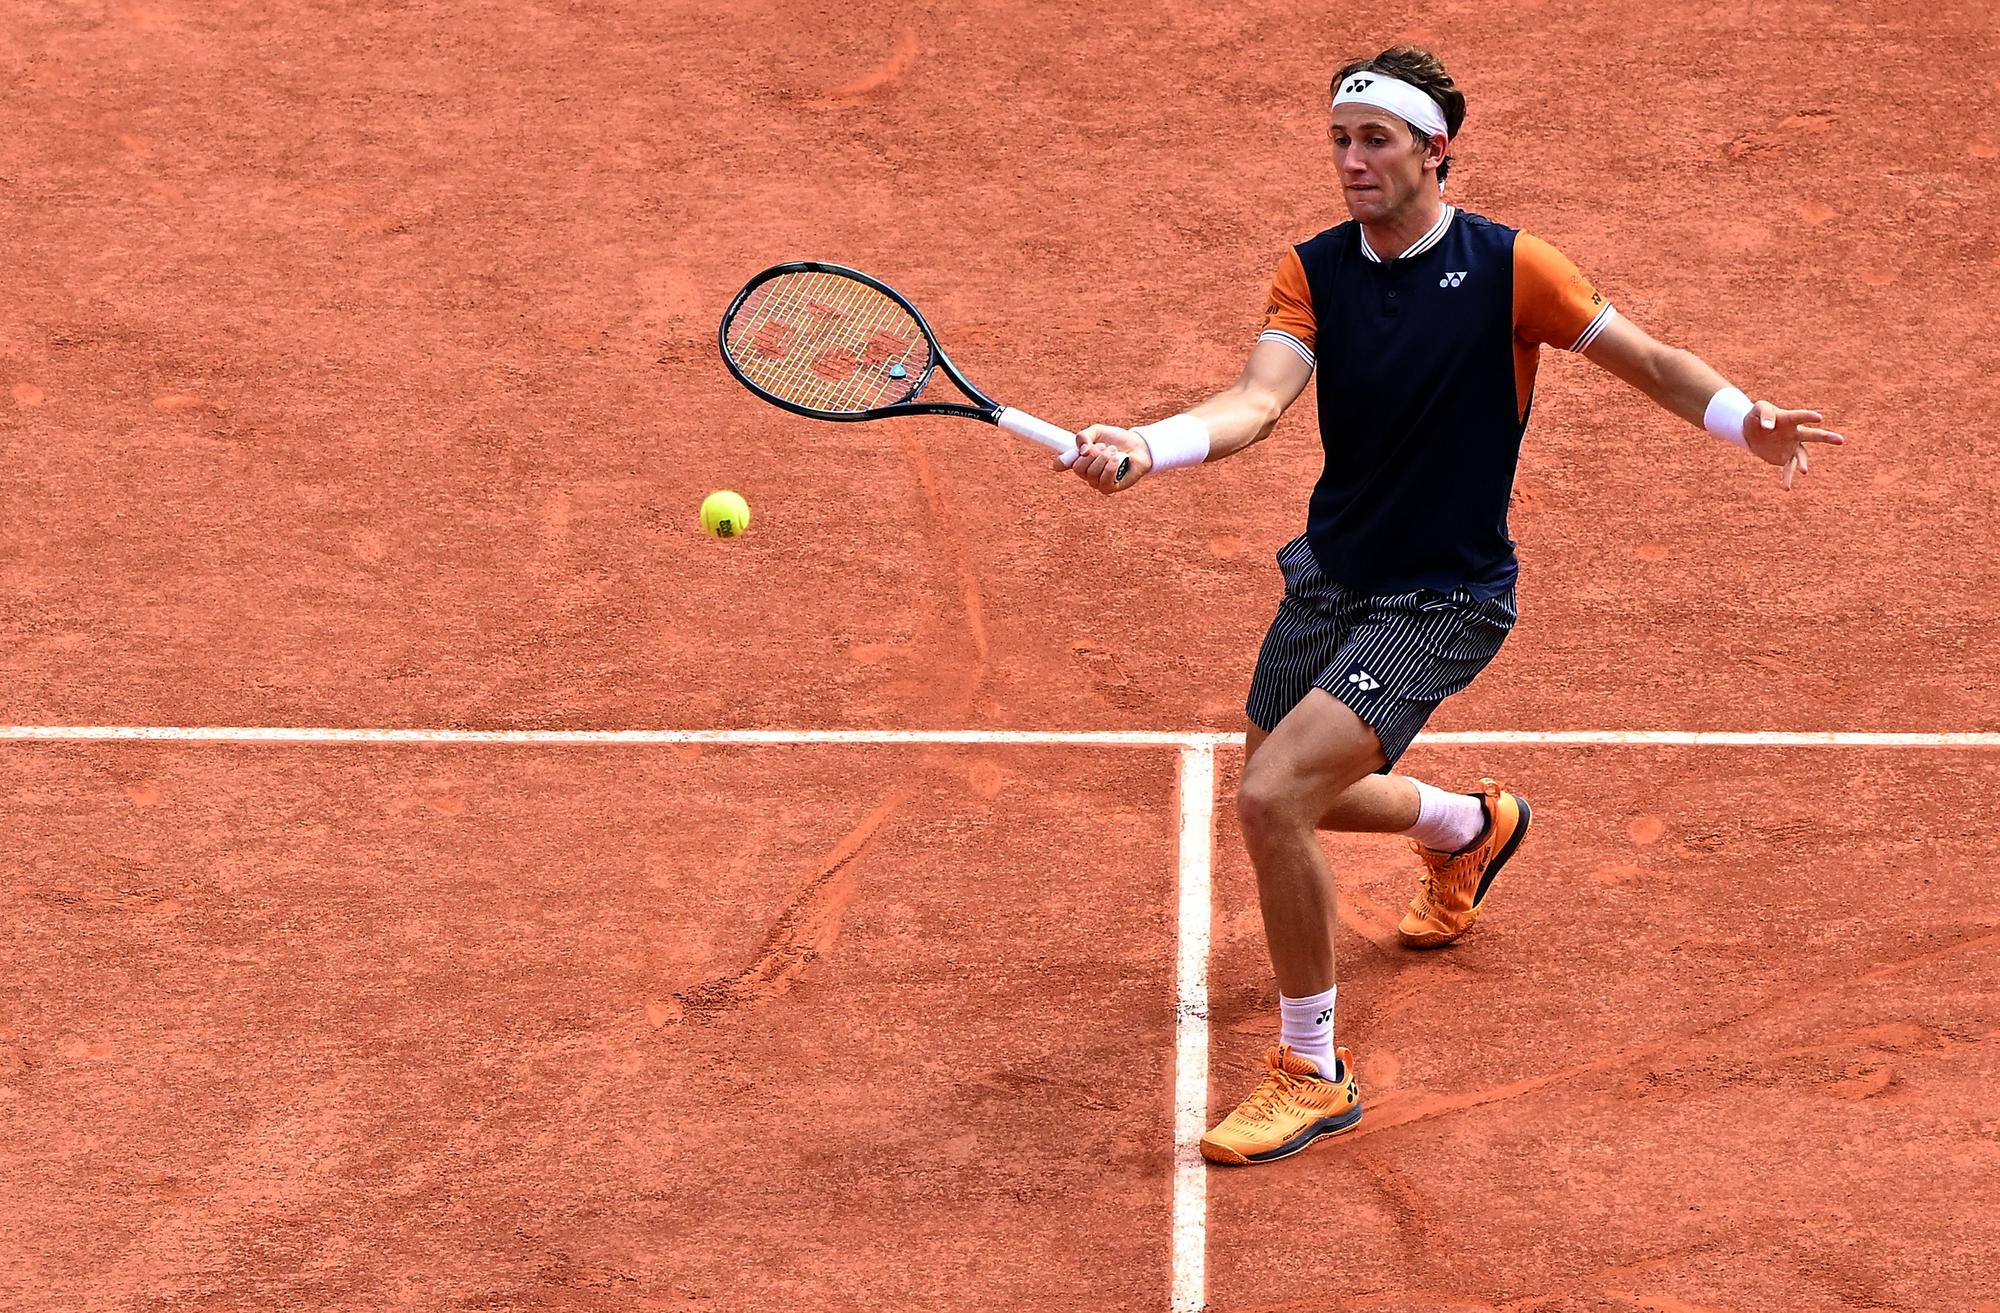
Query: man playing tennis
point(1424, 323)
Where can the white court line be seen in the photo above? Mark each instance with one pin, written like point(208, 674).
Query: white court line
point(1190, 1247)
point(990, 737)
point(599, 737)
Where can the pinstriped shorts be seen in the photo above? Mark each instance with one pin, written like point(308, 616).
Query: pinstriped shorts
point(1391, 657)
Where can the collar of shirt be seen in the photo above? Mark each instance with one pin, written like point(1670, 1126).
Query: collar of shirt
point(1418, 247)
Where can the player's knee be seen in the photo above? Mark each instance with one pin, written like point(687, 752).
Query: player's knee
point(1271, 802)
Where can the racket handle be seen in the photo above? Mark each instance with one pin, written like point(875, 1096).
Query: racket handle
point(1023, 425)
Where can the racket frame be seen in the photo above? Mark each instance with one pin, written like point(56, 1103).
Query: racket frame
point(983, 407)
point(1020, 423)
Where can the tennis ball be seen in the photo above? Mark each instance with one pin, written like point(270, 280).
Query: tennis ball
point(725, 514)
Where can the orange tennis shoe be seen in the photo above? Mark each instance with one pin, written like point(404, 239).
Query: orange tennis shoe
point(1455, 884)
point(1292, 1106)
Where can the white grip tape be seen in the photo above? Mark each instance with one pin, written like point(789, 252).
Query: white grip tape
point(1023, 425)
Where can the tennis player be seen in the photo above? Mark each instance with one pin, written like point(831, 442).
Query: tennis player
point(1424, 323)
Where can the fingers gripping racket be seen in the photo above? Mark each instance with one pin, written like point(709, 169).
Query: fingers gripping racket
point(829, 342)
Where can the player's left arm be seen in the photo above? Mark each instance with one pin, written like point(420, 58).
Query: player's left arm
point(1555, 305)
point(1685, 384)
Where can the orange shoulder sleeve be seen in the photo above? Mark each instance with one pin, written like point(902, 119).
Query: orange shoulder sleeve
point(1553, 301)
point(1288, 308)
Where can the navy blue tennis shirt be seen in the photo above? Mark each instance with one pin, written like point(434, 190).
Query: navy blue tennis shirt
point(1426, 369)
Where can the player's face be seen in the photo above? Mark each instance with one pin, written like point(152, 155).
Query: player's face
point(1381, 169)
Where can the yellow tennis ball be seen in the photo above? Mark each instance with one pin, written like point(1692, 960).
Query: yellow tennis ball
point(725, 514)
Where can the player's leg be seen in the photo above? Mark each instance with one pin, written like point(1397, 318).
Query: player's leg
point(1307, 1089)
point(1394, 804)
point(1316, 753)
point(1396, 665)
point(1301, 750)
point(1317, 757)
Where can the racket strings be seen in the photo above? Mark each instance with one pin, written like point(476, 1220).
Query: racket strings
point(846, 338)
point(827, 342)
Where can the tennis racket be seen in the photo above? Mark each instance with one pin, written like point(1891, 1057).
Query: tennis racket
point(829, 342)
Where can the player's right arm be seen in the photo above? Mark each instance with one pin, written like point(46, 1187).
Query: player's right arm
point(1241, 414)
point(1280, 366)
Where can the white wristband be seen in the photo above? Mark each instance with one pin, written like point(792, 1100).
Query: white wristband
point(1177, 441)
point(1727, 410)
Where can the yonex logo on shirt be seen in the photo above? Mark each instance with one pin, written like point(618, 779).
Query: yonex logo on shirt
point(1364, 681)
point(1453, 280)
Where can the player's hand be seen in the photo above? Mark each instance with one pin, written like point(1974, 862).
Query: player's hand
point(1106, 451)
point(1779, 437)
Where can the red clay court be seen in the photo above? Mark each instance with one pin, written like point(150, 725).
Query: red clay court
point(444, 878)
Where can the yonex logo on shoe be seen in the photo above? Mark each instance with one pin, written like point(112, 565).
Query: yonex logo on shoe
point(1364, 681)
point(1453, 279)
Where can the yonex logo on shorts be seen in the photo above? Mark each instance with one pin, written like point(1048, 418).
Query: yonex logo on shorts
point(1364, 681)
point(1453, 280)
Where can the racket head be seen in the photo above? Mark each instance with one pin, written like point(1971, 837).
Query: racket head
point(829, 342)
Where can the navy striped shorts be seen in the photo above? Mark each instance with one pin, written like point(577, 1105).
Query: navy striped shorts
point(1391, 657)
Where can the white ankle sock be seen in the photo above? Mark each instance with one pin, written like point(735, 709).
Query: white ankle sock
point(1307, 1025)
point(1446, 822)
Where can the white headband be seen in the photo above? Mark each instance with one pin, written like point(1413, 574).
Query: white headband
point(1399, 98)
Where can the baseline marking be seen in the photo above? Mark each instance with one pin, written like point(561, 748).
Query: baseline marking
point(989, 737)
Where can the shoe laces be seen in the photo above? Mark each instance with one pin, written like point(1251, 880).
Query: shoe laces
point(1273, 1090)
point(1439, 871)
point(1422, 904)
point(1436, 864)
